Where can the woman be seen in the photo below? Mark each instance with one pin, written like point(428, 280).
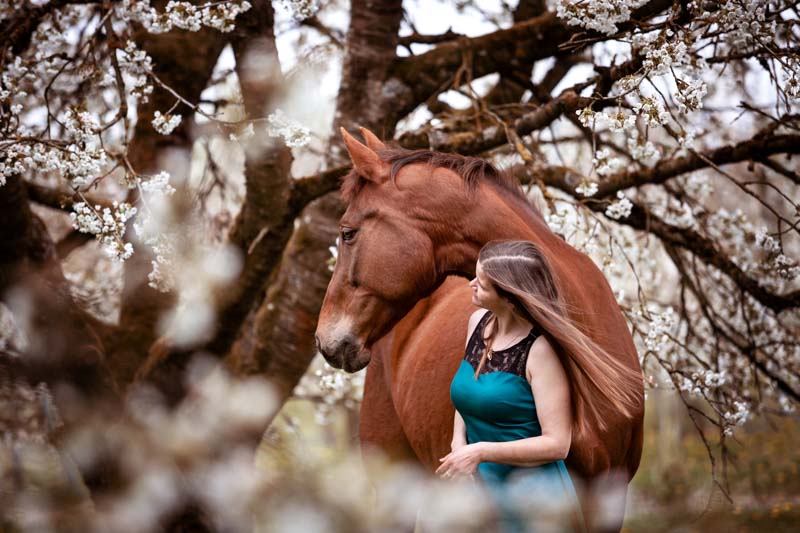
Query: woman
point(526, 347)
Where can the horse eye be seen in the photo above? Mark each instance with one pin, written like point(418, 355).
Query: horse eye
point(348, 234)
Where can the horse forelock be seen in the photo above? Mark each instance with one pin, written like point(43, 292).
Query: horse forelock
point(472, 171)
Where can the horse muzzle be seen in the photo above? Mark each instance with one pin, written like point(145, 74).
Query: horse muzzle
point(346, 353)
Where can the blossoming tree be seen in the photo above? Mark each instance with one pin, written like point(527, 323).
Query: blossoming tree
point(657, 136)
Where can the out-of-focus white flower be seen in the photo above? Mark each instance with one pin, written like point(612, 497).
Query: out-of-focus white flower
point(765, 240)
point(158, 184)
point(246, 133)
point(300, 9)
point(785, 267)
point(294, 134)
point(739, 415)
point(792, 86)
point(642, 150)
point(686, 138)
point(586, 116)
point(587, 188)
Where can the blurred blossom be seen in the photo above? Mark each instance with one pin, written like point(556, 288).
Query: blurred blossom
point(190, 322)
point(300, 9)
point(293, 133)
point(604, 165)
point(153, 493)
point(587, 188)
point(461, 504)
point(204, 271)
point(228, 486)
point(609, 493)
point(244, 134)
point(293, 517)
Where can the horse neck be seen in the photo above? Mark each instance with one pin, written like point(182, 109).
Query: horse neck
point(495, 215)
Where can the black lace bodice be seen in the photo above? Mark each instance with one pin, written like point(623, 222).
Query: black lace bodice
point(512, 359)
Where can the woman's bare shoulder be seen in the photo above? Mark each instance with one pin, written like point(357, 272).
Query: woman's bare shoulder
point(542, 357)
point(473, 321)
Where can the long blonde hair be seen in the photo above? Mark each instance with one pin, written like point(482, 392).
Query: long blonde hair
point(521, 274)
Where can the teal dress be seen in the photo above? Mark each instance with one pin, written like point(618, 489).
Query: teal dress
point(499, 407)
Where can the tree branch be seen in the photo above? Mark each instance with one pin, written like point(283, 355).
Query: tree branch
point(18, 30)
point(755, 148)
point(62, 199)
point(415, 79)
point(264, 223)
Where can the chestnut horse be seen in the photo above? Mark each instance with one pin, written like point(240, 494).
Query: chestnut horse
point(398, 302)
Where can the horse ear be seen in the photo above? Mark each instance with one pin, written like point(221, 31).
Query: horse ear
point(365, 160)
point(372, 139)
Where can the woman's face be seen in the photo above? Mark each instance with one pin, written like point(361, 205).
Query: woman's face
point(483, 293)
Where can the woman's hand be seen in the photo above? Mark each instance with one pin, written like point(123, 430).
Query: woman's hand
point(462, 461)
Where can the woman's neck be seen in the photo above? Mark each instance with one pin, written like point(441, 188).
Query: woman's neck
point(510, 324)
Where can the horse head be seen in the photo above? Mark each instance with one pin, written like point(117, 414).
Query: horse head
point(391, 250)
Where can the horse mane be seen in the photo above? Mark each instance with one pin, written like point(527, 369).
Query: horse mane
point(471, 169)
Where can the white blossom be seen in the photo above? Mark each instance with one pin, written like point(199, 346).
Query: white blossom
point(149, 232)
point(715, 379)
point(690, 94)
point(183, 15)
point(165, 124)
point(659, 327)
point(136, 67)
point(587, 188)
point(765, 241)
point(786, 268)
point(80, 165)
point(158, 184)
point(605, 164)
point(619, 209)
point(107, 226)
point(599, 15)
point(738, 416)
point(652, 111)
point(670, 54)
point(586, 116)
point(621, 122)
point(686, 137)
point(558, 221)
point(643, 151)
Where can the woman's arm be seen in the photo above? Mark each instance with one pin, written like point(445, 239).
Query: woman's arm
point(550, 388)
point(459, 428)
point(459, 433)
